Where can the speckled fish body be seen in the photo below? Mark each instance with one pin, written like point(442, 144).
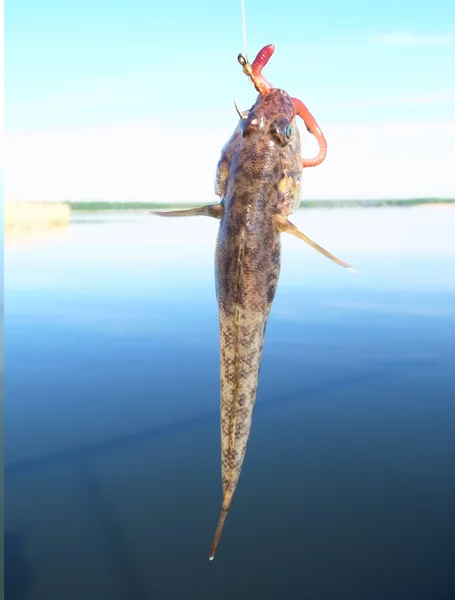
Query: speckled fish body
point(258, 181)
point(258, 176)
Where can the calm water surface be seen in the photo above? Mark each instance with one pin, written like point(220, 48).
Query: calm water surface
point(112, 415)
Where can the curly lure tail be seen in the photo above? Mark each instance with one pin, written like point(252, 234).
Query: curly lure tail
point(254, 72)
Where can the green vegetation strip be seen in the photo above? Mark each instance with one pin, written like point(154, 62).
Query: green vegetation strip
point(95, 206)
point(116, 206)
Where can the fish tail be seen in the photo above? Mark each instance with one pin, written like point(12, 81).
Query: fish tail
point(219, 530)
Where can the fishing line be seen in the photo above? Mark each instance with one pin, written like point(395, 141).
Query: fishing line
point(244, 28)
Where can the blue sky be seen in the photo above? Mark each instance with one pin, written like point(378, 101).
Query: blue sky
point(87, 68)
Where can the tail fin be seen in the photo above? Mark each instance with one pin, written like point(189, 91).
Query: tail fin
point(218, 532)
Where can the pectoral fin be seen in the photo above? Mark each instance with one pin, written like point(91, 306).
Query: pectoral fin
point(211, 210)
point(285, 226)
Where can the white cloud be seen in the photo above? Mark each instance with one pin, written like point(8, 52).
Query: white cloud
point(421, 99)
point(144, 161)
point(386, 160)
point(155, 162)
point(407, 38)
point(2, 84)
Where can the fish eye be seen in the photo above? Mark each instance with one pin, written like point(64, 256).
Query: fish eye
point(280, 131)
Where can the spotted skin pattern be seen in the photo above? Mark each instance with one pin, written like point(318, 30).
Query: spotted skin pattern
point(258, 181)
point(257, 177)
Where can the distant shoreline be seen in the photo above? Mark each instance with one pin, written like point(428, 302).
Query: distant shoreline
point(35, 216)
point(138, 206)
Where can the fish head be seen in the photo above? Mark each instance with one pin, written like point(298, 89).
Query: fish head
point(272, 116)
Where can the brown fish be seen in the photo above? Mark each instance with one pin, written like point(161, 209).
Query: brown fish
point(258, 181)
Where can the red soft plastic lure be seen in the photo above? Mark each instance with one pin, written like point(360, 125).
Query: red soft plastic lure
point(254, 72)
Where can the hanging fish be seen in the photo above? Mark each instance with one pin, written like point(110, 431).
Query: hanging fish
point(258, 181)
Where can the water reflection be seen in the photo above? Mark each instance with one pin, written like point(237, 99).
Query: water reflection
point(18, 572)
point(112, 441)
